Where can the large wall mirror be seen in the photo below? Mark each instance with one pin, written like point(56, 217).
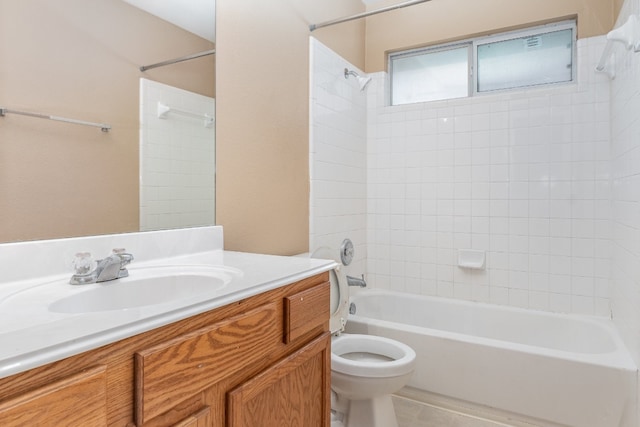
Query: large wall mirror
point(81, 60)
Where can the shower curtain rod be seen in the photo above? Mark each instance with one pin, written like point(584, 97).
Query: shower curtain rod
point(313, 27)
point(181, 59)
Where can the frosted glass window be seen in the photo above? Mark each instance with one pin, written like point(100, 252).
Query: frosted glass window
point(430, 75)
point(527, 61)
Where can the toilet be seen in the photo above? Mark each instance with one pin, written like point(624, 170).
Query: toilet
point(365, 369)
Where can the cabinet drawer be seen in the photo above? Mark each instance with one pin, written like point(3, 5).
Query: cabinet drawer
point(176, 370)
point(79, 400)
point(305, 311)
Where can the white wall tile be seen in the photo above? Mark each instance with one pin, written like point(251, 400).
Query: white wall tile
point(177, 161)
point(517, 175)
point(338, 165)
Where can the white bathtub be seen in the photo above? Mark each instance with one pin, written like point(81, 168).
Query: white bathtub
point(564, 369)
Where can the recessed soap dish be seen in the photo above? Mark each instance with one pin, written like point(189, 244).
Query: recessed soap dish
point(471, 258)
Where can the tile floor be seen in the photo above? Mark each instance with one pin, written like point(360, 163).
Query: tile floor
point(411, 413)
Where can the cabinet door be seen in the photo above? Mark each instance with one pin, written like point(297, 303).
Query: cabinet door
point(292, 393)
point(80, 400)
point(177, 370)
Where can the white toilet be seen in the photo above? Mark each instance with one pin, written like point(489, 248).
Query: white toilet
point(365, 369)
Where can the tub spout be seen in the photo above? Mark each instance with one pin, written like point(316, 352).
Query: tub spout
point(355, 281)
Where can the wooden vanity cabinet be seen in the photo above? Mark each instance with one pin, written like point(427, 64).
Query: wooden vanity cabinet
point(260, 362)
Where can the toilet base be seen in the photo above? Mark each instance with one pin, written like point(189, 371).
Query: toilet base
point(375, 412)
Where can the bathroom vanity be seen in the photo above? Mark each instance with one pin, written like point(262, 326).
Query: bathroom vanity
point(257, 354)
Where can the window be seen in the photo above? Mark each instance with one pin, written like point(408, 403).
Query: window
point(430, 76)
point(538, 56)
point(525, 61)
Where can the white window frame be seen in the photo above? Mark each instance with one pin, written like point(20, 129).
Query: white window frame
point(472, 46)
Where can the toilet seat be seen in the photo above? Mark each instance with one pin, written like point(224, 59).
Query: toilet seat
point(397, 358)
point(339, 305)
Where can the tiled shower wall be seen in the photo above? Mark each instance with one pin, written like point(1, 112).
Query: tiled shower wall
point(522, 175)
point(177, 159)
point(337, 160)
point(625, 160)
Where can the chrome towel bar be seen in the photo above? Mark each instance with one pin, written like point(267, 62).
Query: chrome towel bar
point(104, 127)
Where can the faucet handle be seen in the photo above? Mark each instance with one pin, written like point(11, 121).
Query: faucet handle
point(124, 256)
point(85, 269)
point(83, 263)
point(125, 259)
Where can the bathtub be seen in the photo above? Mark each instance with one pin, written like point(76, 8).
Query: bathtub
point(563, 369)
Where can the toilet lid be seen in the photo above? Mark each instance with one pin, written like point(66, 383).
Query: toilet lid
point(339, 290)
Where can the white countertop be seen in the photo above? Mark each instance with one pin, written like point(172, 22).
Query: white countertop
point(32, 336)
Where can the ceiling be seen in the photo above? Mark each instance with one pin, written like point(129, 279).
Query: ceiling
point(195, 16)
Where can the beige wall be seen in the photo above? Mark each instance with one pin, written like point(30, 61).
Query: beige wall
point(444, 20)
point(80, 59)
point(262, 133)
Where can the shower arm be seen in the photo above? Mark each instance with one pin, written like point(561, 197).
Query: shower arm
point(348, 73)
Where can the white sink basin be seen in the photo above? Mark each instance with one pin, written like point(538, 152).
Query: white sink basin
point(144, 287)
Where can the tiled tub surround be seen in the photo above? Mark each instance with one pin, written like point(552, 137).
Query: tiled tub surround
point(578, 373)
point(337, 156)
point(36, 336)
point(522, 175)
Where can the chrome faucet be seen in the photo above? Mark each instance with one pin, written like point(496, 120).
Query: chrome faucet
point(109, 268)
point(356, 281)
